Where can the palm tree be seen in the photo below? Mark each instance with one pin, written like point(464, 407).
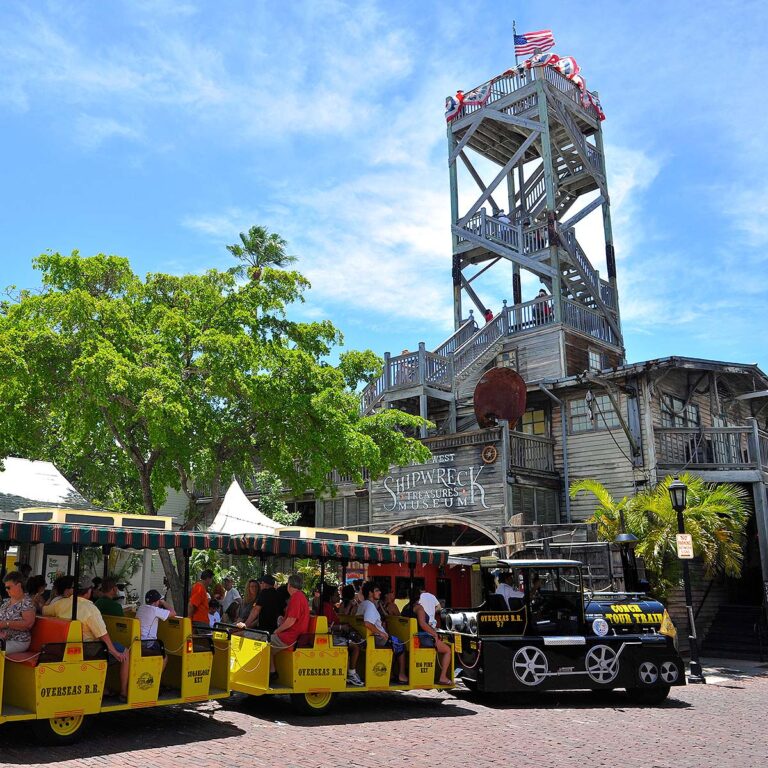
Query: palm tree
point(715, 517)
point(260, 249)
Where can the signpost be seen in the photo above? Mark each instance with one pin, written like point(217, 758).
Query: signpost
point(685, 546)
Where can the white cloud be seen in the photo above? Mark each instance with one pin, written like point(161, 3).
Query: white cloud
point(93, 131)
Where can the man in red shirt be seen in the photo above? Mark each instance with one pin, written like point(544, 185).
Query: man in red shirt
point(198, 601)
point(295, 623)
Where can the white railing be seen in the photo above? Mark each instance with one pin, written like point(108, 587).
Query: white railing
point(588, 321)
point(479, 343)
point(608, 294)
point(509, 83)
point(585, 265)
point(530, 314)
point(490, 228)
point(453, 342)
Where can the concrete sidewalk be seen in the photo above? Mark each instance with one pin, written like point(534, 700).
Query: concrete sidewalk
point(728, 671)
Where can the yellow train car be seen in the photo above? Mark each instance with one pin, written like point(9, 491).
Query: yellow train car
point(61, 680)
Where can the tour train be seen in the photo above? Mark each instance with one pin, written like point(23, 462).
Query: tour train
point(550, 638)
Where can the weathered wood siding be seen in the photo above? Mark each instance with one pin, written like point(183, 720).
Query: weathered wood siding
point(457, 483)
point(577, 349)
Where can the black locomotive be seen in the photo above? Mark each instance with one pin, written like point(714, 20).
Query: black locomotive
point(538, 630)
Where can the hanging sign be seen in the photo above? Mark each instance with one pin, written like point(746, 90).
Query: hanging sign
point(685, 546)
point(55, 566)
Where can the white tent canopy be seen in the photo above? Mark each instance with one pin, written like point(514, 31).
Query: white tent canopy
point(238, 515)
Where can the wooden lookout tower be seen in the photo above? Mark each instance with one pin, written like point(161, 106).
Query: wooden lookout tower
point(543, 142)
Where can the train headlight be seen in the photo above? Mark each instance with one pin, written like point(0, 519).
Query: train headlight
point(472, 623)
point(600, 627)
point(455, 621)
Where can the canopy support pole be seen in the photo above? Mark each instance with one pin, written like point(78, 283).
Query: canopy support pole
point(76, 592)
point(411, 572)
point(187, 555)
point(105, 550)
point(263, 566)
point(344, 564)
point(322, 586)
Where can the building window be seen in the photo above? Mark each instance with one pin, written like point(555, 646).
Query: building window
point(534, 422)
point(595, 360)
point(675, 413)
point(592, 413)
point(348, 512)
point(538, 506)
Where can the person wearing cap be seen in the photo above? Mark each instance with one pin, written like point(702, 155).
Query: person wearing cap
point(154, 610)
point(268, 606)
point(93, 624)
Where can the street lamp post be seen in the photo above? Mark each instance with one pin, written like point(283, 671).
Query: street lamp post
point(678, 494)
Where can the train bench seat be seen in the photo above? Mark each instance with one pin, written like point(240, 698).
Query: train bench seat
point(50, 637)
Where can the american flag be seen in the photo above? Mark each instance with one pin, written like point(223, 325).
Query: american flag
point(528, 42)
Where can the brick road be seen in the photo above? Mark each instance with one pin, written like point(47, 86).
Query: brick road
point(721, 724)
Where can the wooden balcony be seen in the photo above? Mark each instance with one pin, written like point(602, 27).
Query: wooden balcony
point(531, 453)
point(725, 453)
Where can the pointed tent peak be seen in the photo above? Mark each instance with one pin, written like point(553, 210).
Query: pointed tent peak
point(238, 515)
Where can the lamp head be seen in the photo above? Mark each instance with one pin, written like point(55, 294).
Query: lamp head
point(678, 494)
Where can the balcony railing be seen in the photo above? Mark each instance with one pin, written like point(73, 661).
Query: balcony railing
point(715, 448)
point(588, 321)
point(531, 452)
point(454, 341)
point(513, 81)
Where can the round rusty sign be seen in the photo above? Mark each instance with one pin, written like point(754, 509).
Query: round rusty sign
point(500, 394)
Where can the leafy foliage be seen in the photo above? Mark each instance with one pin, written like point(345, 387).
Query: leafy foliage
point(134, 385)
point(271, 504)
point(716, 516)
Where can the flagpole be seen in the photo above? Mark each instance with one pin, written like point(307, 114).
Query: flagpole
point(514, 34)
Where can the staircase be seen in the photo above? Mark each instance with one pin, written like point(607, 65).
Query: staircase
point(735, 633)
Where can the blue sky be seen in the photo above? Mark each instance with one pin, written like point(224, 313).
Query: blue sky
point(159, 130)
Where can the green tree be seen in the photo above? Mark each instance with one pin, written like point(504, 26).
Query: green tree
point(715, 517)
point(271, 503)
point(133, 384)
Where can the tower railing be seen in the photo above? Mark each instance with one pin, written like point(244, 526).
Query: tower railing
point(588, 321)
point(455, 340)
point(512, 81)
point(479, 343)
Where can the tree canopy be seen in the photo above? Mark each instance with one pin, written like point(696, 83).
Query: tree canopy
point(132, 385)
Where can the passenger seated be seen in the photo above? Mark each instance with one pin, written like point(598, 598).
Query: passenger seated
point(294, 624)
point(214, 611)
point(93, 625)
point(17, 615)
point(36, 592)
point(154, 610)
point(232, 614)
point(107, 603)
point(372, 618)
point(341, 634)
point(427, 634)
point(508, 587)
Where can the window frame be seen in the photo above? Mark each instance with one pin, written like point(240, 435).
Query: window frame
point(598, 424)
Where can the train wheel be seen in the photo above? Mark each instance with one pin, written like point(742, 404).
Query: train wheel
point(654, 695)
point(312, 703)
point(60, 730)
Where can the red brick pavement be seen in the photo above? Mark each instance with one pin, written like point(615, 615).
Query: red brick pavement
point(719, 725)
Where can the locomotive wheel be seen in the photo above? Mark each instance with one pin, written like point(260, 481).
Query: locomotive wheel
point(60, 730)
point(654, 695)
point(530, 666)
point(602, 664)
point(312, 703)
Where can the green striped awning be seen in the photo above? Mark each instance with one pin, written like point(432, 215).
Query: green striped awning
point(254, 544)
point(96, 535)
point(265, 544)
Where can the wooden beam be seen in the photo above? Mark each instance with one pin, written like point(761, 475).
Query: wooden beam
point(502, 174)
point(583, 213)
point(542, 270)
point(503, 117)
point(463, 143)
point(476, 176)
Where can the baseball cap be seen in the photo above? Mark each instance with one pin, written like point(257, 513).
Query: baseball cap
point(268, 579)
point(152, 596)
